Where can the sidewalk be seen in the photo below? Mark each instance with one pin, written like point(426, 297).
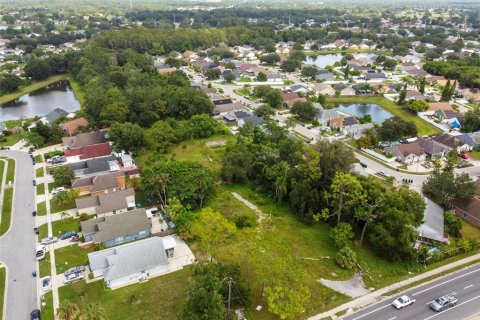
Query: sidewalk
point(377, 296)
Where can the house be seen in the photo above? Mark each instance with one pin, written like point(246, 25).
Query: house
point(343, 90)
point(84, 139)
point(343, 122)
point(469, 209)
point(325, 115)
point(289, 98)
point(274, 77)
point(472, 139)
point(71, 126)
point(227, 107)
point(432, 148)
point(375, 77)
point(104, 183)
point(254, 120)
point(414, 95)
point(132, 262)
point(298, 88)
point(452, 142)
point(93, 167)
point(433, 226)
point(190, 55)
point(107, 203)
point(407, 153)
point(324, 89)
point(444, 114)
point(436, 106)
point(433, 80)
point(164, 69)
point(51, 117)
point(117, 229)
point(358, 130)
point(88, 152)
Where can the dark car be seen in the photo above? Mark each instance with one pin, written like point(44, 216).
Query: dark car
point(36, 230)
point(68, 234)
point(34, 213)
point(34, 183)
point(35, 315)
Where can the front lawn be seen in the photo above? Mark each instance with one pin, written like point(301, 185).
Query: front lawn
point(38, 158)
point(162, 296)
point(423, 127)
point(469, 230)
point(39, 172)
point(41, 189)
point(56, 206)
point(45, 266)
point(47, 310)
point(64, 225)
point(71, 256)
point(475, 155)
point(10, 140)
point(41, 206)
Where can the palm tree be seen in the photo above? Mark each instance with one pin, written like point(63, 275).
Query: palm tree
point(93, 312)
point(203, 185)
point(68, 310)
point(64, 215)
point(160, 184)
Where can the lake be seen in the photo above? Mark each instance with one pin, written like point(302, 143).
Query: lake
point(41, 102)
point(377, 113)
point(324, 60)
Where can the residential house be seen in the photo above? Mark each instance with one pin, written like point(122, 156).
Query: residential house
point(432, 148)
point(165, 68)
point(94, 167)
point(117, 229)
point(358, 130)
point(133, 262)
point(344, 122)
point(254, 120)
point(107, 203)
point(50, 117)
point(472, 139)
point(324, 75)
point(298, 88)
point(433, 226)
point(407, 153)
point(414, 95)
point(324, 89)
point(375, 77)
point(70, 127)
point(190, 55)
point(436, 106)
point(324, 116)
point(289, 98)
point(452, 142)
point(84, 139)
point(436, 80)
point(469, 209)
point(343, 90)
point(88, 152)
point(104, 183)
point(235, 74)
point(274, 77)
point(445, 114)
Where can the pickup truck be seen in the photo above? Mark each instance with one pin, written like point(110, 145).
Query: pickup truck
point(443, 302)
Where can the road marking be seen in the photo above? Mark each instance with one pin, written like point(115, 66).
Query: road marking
point(392, 318)
point(366, 314)
point(458, 305)
point(468, 287)
point(472, 316)
point(442, 283)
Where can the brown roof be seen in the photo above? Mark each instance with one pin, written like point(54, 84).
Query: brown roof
point(434, 106)
point(71, 126)
point(286, 96)
point(84, 139)
point(410, 148)
point(106, 202)
point(101, 182)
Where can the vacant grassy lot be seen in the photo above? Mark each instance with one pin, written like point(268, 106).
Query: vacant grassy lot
point(423, 127)
point(39, 172)
point(469, 231)
point(47, 311)
point(40, 189)
point(71, 256)
point(3, 279)
point(159, 298)
point(77, 90)
point(34, 86)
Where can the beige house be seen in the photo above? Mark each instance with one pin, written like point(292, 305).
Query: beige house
point(96, 185)
point(108, 203)
point(324, 89)
point(407, 153)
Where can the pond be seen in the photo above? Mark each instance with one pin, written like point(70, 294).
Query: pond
point(41, 102)
point(324, 60)
point(377, 113)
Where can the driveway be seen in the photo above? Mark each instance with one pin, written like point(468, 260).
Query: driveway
point(17, 246)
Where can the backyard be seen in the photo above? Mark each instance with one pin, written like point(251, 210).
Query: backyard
point(423, 127)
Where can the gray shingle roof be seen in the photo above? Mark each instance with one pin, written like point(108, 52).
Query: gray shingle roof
point(93, 165)
point(84, 139)
point(55, 114)
point(106, 202)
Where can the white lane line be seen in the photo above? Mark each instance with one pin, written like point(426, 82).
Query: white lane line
point(366, 314)
point(458, 305)
point(468, 287)
point(392, 318)
point(453, 279)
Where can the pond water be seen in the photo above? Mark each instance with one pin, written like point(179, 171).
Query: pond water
point(377, 113)
point(324, 60)
point(41, 102)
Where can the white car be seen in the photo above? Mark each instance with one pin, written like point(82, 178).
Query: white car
point(46, 283)
point(58, 190)
point(383, 173)
point(74, 277)
point(49, 240)
point(402, 302)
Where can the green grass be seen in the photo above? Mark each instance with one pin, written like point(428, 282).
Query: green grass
point(47, 311)
point(54, 207)
point(41, 208)
point(6, 211)
point(245, 79)
point(34, 86)
point(469, 230)
point(163, 296)
point(10, 140)
point(243, 92)
point(51, 186)
point(423, 127)
point(45, 266)
point(38, 158)
point(475, 155)
point(39, 172)
point(61, 226)
point(2, 167)
point(43, 231)
point(3, 280)
point(11, 124)
point(11, 170)
point(77, 90)
point(40, 189)
point(71, 256)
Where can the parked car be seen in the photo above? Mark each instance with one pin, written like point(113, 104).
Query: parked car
point(34, 183)
point(463, 155)
point(58, 190)
point(36, 230)
point(49, 240)
point(443, 302)
point(46, 283)
point(363, 164)
point(73, 277)
point(383, 174)
point(40, 252)
point(74, 270)
point(402, 302)
point(35, 315)
point(34, 213)
point(67, 235)
point(462, 165)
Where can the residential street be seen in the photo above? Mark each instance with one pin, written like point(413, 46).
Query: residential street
point(464, 284)
point(17, 246)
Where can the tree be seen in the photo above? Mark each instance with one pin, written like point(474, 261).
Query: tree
point(290, 65)
point(261, 77)
point(402, 96)
point(297, 55)
point(304, 110)
point(37, 69)
point(213, 73)
point(342, 235)
point(322, 99)
point(471, 120)
point(417, 106)
point(68, 310)
point(229, 77)
point(264, 110)
point(270, 59)
point(446, 92)
point(346, 258)
point(345, 192)
point(421, 82)
point(63, 176)
point(93, 311)
point(9, 83)
point(396, 128)
point(309, 72)
point(286, 302)
point(335, 157)
point(160, 135)
point(114, 112)
point(202, 125)
point(127, 136)
point(65, 199)
point(390, 64)
point(273, 98)
point(453, 225)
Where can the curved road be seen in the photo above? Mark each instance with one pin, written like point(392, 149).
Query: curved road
point(17, 246)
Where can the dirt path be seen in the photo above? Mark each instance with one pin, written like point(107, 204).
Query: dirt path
point(250, 205)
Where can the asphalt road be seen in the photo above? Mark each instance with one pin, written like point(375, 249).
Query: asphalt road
point(464, 284)
point(17, 246)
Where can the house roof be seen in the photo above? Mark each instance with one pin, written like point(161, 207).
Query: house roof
point(447, 140)
point(84, 139)
point(55, 114)
point(129, 259)
point(433, 226)
point(93, 165)
point(288, 96)
point(106, 202)
point(118, 225)
point(350, 121)
point(328, 114)
point(431, 147)
point(252, 119)
point(71, 126)
point(100, 182)
point(298, 87)
point(434, 106)
point(450, 114)
point(410, 148)
point(378, 75)
point(90, 151)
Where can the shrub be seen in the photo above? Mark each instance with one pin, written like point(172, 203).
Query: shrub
point(243, 222)
point(84, 217)
point(346, 258)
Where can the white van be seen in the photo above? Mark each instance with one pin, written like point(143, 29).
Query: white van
point(40, 252)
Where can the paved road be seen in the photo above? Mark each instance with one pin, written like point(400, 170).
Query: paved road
point(17, 246)
point(465, 284)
